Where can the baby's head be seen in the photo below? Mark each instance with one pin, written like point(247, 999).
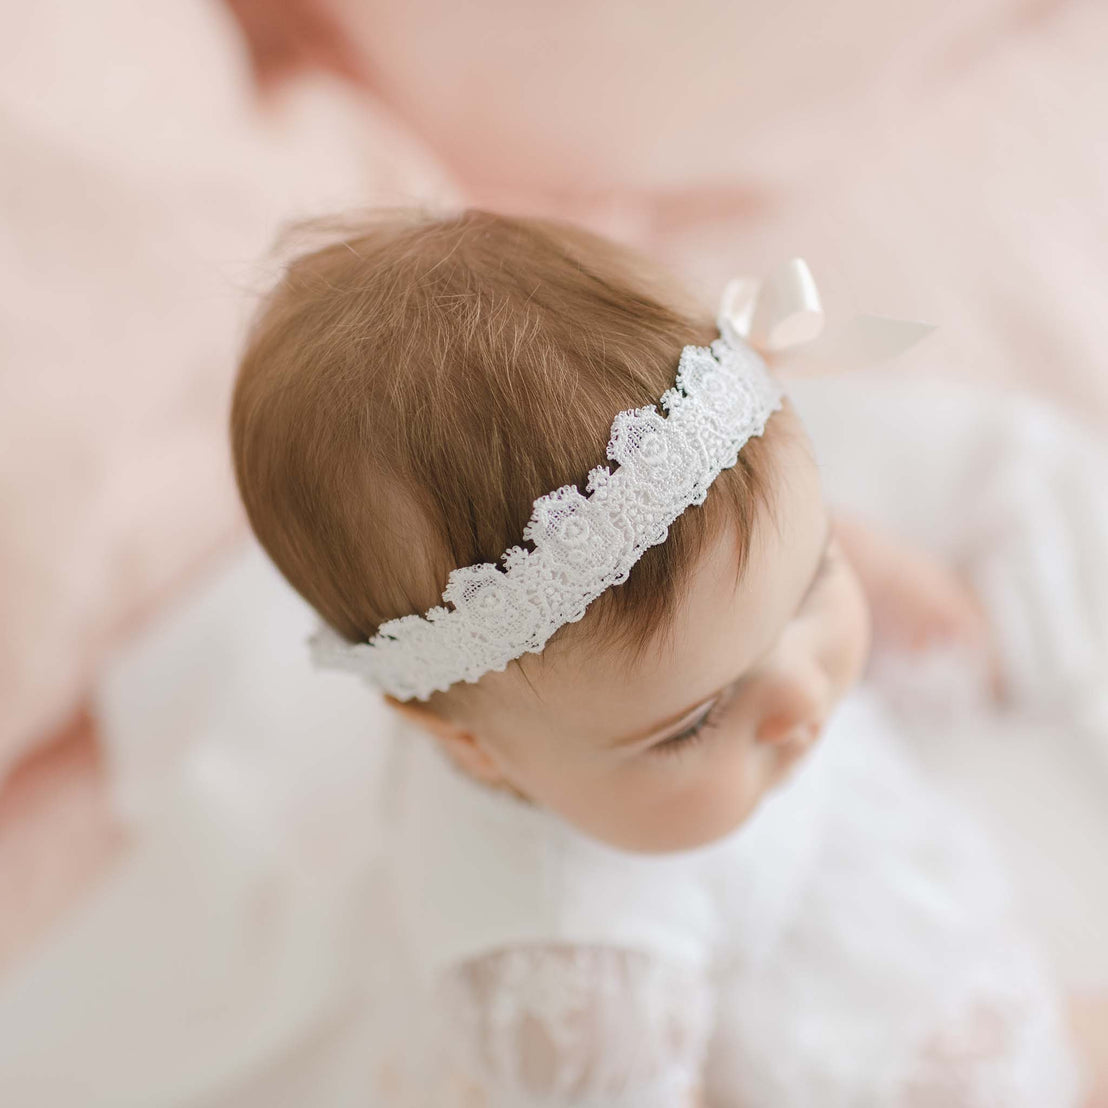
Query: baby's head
point(411, 389)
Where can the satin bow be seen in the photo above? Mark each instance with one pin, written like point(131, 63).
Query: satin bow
point(781, 316)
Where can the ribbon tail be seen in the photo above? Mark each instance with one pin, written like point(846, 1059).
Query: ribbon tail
point(864, 341)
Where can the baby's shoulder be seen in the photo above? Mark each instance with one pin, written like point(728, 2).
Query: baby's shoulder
point(474, 870)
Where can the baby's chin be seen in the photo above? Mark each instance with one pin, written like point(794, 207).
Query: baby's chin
point(677, 841)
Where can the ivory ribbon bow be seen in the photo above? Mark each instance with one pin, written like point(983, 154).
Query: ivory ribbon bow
point(781, 316)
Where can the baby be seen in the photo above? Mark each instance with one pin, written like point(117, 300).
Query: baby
point(640, 846)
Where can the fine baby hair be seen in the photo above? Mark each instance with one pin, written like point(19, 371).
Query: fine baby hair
point(411, 387)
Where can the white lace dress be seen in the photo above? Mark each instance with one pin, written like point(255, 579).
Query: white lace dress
point(849, 946)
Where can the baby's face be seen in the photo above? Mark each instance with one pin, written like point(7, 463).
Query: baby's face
point(678, 751)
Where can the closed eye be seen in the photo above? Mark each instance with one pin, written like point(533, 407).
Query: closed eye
point(690, 734)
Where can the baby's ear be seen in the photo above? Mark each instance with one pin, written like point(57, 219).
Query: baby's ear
point(462, 746)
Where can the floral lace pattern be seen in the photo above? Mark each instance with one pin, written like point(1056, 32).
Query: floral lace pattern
point(561, 1026)
point(723, 396)
point(556, 1026)
point(1003, 1046)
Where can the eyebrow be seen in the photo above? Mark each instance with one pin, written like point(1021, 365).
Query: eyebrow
point(658, 729)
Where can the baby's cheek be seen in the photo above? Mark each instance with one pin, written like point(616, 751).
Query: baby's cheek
point(685, 801)
point(731, 776)
point(744, 773)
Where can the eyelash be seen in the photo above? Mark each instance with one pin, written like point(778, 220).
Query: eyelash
point(683, 739)
point(690, 735)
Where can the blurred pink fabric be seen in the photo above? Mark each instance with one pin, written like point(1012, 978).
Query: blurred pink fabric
point(939, 161)
point(57, 833)
point(141, 189)
point(142, 186)
point(943, 162)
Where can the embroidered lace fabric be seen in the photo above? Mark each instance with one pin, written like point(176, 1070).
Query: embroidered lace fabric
point(897, 979)
point(1001, 1046)
point(997, 1042)
point(583, 544)
point(587, 1026)
point(557, 1026)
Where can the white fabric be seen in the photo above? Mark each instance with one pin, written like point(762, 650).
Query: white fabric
point(852, 936)
point(259, 949)
point(1007, 490)
point(604, 1026)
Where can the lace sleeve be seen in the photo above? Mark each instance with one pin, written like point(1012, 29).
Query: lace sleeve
point(587, 1026)
point(1005, 1043)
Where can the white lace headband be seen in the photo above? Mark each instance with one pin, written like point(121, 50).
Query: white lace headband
point(584, 544)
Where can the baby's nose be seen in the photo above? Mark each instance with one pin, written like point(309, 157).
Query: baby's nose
point(789, 731)
point(797, 713)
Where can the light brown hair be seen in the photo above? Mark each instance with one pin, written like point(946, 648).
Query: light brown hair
point(409, 390)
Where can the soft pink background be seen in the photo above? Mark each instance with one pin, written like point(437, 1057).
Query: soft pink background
point(947, 162)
